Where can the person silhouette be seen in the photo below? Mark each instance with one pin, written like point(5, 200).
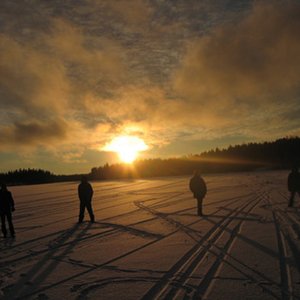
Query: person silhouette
point(85, 193)
point(7, 206)
point(294, 184)
point(199, 189)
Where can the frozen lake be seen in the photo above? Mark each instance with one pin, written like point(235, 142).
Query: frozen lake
point(148, 243)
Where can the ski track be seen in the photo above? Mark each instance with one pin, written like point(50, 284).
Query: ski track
point(153, 212)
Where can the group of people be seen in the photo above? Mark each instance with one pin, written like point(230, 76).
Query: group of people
point(85, 193)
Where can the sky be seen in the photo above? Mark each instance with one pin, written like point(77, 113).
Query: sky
point(185, 76)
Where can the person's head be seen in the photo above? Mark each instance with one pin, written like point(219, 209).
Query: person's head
point(3, 187)
point(84, 179)
point(197, 173)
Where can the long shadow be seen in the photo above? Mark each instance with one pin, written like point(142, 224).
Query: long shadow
point(32, 240)
point(131, 230)
point(173, 273)
point(101, 209)
point(222, 216)
point(84, 293)
point(248, 241)
point(228, 200)
point(234, 218)
point(69, 195)
point(8, 243)
point(108, 262)
point(38, 273)
point(251, 214)
point(101, 234)
point(294, 250)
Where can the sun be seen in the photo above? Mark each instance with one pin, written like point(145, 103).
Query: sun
point(127, 147)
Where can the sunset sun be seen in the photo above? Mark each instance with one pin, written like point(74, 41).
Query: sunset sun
point(127, 147)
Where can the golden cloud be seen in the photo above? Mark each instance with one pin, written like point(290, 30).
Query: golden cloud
point(256, 59)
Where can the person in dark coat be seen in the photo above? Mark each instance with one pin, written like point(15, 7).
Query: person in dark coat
point(198, 188)
point(85, 193)
point(7, 206)
point(294, 184)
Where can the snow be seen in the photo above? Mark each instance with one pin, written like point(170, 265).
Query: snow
point(148, 243)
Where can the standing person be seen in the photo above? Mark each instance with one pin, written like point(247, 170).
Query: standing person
point(85, 193)
point(7, 206)
point(198, 188)
point(293, 184)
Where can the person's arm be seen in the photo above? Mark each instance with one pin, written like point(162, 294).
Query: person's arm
point(92, 191)
point(78, 191)
point(290, 185)
point(12, 202)
point(192, 185)
point(205, 187)
point(202, 187)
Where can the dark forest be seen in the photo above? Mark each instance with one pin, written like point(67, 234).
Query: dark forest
point(280, 154)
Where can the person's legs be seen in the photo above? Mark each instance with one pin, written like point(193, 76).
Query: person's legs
point(81, 211)
point(10, 224)
point(3, 226)
point(199, 201)
point(90, 210)
point(291, 202)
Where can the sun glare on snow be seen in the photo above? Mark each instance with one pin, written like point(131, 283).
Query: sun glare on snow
point(127, 147)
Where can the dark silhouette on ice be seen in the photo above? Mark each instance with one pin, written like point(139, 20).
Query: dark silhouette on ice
point(7, 206)
point(198, 188)
point(85, 193)
point(294, 184)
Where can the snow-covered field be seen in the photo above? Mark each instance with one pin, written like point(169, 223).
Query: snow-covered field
point(148, 243)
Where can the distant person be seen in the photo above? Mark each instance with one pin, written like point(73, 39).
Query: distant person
point(85, 193)
point(7, 206)
point(198, 188)
point(294, 184)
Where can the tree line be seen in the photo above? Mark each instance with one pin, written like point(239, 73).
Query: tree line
point(280, 154)
point(34, 176)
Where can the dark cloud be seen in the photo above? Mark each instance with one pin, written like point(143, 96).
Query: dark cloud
point(33, 133)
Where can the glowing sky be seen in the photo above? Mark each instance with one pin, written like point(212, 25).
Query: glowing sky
point(183, 75)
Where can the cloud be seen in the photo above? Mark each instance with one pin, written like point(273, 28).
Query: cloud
point(244, 66)
point(225, 82)
point(135, 12)
point(46, 78)
point(31, 82)
point(94, 57)
point(26, 134)
point(89, 74)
